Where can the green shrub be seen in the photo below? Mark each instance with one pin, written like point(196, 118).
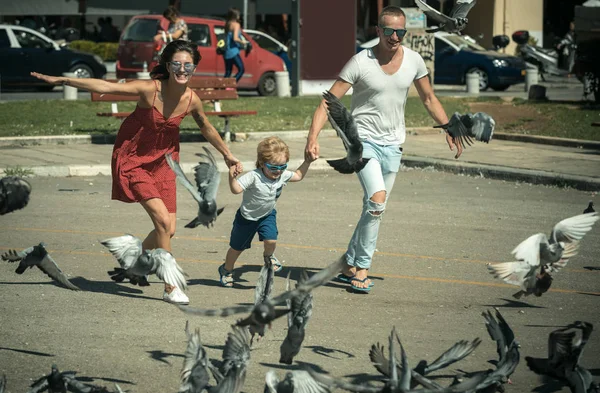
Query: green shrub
point(106, 50)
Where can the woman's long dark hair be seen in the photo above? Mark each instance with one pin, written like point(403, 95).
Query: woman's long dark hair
point(233, 15)
point(160, 70)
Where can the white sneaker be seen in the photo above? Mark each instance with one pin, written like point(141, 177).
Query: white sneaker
point(176, 297)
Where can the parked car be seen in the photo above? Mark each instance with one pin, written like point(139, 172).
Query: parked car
point(269, 43)
point(24, 50)
point(456, 56)
point(136, 46)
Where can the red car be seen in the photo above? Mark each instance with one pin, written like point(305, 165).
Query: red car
point(137, 46)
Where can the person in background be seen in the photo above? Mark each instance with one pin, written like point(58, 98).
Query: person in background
point(234, 40)
point(177, 30)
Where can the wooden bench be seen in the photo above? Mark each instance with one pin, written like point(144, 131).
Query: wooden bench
point(211, 89)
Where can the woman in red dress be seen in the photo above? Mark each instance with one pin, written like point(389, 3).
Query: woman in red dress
point(139, 170)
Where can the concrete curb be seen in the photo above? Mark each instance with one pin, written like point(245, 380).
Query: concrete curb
point(458, 167)
point(299, 134)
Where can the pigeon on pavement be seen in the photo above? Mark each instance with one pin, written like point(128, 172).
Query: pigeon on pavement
point(136, 264)
point(345, 127)
point(38, 256)
point(548, 255)
point(14, 194)
point(301, 310)
point(266, 312)
point(296, 381)
point(453, 23)
point(207, 182)
point(463, 128)
point(564, 356)
point(589, 208)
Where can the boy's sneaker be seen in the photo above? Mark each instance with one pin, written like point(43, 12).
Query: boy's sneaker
point(176, 297)
point(277, 266)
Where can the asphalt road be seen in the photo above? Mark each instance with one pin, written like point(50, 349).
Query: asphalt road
point(438, 233)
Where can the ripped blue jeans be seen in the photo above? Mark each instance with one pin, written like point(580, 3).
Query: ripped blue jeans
point(378, 175)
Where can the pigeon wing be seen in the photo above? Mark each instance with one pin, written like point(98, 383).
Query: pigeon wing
point(341, 384)
point(305, 383)
point(49, 266)
point(126, 249)
point(341, 120)
point(458, 130)
point(516, 273)
point(39, 386)
point(237, 349)
point(271, 382)
point(194, 373)
point(207, 176)
point(182, 178)
point(462, 8)
point(457, 352)
point(574, 228)
point(529, 249)
point(14, 255)
point(167, 269)
point(432, 13)
point(560, 345)
point(264, 284)
point(379, 360)
point(569, 251)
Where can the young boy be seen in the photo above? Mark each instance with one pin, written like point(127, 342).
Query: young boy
point(261, 187)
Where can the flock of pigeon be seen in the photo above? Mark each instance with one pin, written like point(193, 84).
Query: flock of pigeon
point(537, 259)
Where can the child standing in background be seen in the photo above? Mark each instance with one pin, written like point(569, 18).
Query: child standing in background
point(261, 188)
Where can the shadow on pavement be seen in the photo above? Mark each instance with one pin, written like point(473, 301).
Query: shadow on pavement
point(107, 379)
point(323, 351)
point(513, 304)
point(26, 352)
point(110, 287)
point(161, 355)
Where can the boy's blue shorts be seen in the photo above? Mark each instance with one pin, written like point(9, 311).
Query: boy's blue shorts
point(244, 230)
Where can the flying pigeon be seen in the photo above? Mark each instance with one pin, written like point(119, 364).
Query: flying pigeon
point(236, 357)
point(399, 377)
point(465, 127)
point(262, 292)
point(301, 310)
point(345, 127)
point(453, 23)
point(296, 381)
point(137, 263)
point(38, 256)
point(14, 194)
point(266, 312)
point(548, 255)
point(55, 382)
point(196, 365)
point(564, 356)
point(458, 351)
point(590, 208)
point(207, 182)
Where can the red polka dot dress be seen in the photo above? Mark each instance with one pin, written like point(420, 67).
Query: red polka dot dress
point(139, 169)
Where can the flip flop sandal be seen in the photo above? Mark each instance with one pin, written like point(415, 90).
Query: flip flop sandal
point(225, 278)
point(359, 289)
point(348, 279)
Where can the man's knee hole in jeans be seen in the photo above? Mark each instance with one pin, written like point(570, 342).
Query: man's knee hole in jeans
point(377, 204)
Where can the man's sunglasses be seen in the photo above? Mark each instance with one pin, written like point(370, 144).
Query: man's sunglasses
point(272, 167)
point(388, 31)
point(175, 67)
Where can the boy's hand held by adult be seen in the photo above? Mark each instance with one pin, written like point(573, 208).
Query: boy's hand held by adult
point(312, 150)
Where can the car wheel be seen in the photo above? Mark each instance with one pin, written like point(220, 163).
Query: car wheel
point(267, 86)
point(82, 71)
point(483, 78)
point(500, 87)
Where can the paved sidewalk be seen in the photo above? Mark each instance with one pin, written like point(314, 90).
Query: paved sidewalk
point(573, 164)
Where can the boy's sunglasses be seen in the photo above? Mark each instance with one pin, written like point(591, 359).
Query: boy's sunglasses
point(272, 167)
point(175, 67)
point(388, 31)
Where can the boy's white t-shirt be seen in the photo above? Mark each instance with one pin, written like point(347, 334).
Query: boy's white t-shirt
point(260, 193)
point(378, 99)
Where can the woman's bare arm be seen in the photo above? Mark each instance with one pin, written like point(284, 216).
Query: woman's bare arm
point(101, 86)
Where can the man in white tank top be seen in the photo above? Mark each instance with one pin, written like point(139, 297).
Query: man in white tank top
point(380, 78)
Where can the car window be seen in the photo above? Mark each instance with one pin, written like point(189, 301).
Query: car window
point(199, 34)
point(440, 45)
point(265, 42)
point(141, 30)
point(29, 40)
point(219, 32)
point(4, 40)
point(462, 43)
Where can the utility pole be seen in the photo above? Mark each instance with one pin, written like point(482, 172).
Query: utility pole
point(294, 49)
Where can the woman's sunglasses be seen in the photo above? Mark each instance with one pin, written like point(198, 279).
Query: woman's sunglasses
point(175, 67)
point(272, 167)
point(388, 31)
